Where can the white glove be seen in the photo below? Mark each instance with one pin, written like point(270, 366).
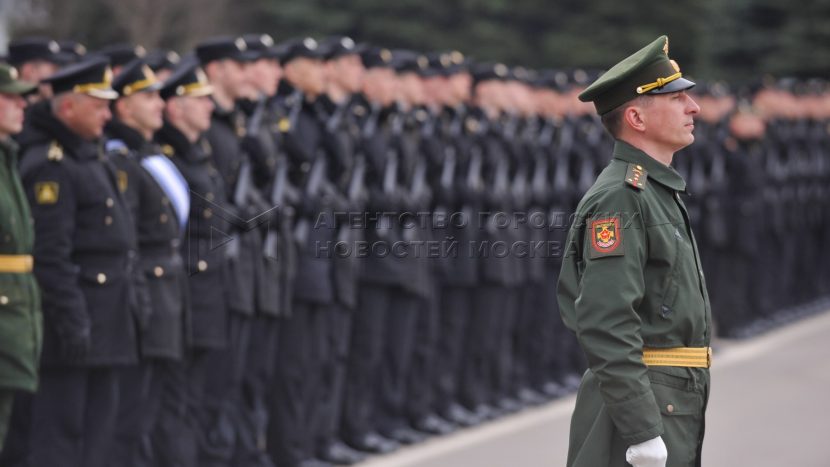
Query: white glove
point(651, 453)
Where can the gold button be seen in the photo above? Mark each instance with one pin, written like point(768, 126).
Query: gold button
point(102, 278)
point(202, 265)
point(208, 213)
point(209, 196)
point(4, 300)
point(670, 408)
point(165, 200)
point(158, 271)
point(108, 220)
point(163, 218)
point(110, 202)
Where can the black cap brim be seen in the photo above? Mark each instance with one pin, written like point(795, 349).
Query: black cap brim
point(680, 84)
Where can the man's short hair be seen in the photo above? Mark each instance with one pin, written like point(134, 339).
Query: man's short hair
point(613, 120)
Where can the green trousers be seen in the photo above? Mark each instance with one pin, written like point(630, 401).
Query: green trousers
point(682, 394)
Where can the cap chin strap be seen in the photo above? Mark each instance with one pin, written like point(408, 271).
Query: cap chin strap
point(659, 83)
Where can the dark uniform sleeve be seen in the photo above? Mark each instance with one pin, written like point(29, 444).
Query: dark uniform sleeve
point(601, 287)
point(51, 197)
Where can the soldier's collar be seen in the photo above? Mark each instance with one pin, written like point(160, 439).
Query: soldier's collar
point(662, 174)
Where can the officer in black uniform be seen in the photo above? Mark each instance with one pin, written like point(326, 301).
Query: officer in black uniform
point(438, 350)
point(296, 407)
point(260, 144)
point(157, 196)
point(426, 178)
point(84, 252)
point(403, 184)
point(186, 119)
point(223, 59)
point(378, 270)
point(345, 110)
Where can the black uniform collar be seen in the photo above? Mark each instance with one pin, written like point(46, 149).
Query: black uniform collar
point(663, 174)
point(43, 121)
point(116, 129)
point(170, 135)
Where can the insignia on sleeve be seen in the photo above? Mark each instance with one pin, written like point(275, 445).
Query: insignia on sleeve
point(636, 176)
point(123, 181)
point(606, 237)
point(46, 192)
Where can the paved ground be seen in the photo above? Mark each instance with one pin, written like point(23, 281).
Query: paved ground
point(769, 407)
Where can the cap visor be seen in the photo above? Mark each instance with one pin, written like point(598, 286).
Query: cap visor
point(201, 91)
point(108, 94)
point(17, 87)
point(680, 84)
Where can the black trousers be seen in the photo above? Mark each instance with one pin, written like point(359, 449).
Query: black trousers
point(338, 331)
point(507, 316)
point(175, 429)
point(454, 314)
point(73, 417)
point(220, 411)
point(398, 353)
point(137, 408)
point(482, 343)
point(294, 402)
point(421, 394)
point(260, 367)
point(364, 361)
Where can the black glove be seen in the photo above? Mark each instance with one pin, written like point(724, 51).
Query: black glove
point(74, 346)
point(253, 147)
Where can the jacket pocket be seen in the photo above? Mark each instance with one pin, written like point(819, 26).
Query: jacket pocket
point(681, 408)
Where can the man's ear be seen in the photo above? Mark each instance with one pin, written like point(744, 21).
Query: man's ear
point(633, 117)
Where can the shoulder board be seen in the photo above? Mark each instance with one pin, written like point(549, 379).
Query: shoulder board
point(55, 152)
point(168, 150)
point(636, 176)
point(116, 146)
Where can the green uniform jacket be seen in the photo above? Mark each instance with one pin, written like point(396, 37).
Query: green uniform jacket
point(631, 278)
point(21, 321)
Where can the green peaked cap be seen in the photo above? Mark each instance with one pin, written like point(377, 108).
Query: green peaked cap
point(647, 71)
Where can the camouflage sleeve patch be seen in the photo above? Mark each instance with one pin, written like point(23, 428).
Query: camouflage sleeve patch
point(636, 176)
point(606, 237)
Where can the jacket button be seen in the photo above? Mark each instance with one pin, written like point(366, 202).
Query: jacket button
point(209, 196)
point(110, 202)
point(108, 220)
point(163, 218)
point(102, 278)
point(202, 265)
point(208, 213)
point(670, 408)
point(4, 300)
point(165, 200)
point(158, 271)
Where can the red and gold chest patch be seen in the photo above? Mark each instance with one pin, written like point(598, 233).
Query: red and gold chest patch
point(606, 237)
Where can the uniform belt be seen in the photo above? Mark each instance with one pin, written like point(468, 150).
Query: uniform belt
point(693, 357)
point(16, 263)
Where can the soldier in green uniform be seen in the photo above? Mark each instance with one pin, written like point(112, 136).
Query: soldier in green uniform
point(631, 285)
point(20, 318)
